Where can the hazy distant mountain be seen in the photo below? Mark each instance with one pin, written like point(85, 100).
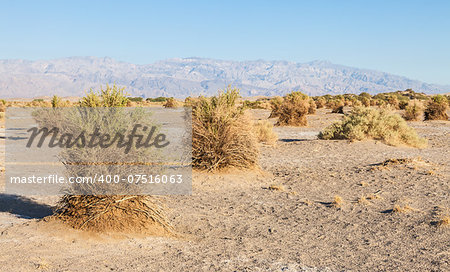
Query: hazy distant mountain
point(195, 76)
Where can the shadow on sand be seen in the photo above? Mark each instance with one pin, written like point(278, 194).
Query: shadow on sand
point(24, 207)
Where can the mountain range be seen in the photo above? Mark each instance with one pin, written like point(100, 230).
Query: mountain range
point(182, 77)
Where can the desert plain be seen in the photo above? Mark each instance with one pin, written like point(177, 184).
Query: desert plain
point(314, 205)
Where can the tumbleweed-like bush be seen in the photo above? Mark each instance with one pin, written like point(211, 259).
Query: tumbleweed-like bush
point(370, 123)
point(170, 103)
point(293, 110)
point(437, 108)
point(414, 111)
point(104, 207)
point(222, 134)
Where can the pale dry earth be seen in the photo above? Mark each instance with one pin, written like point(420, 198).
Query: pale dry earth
point(233, 222)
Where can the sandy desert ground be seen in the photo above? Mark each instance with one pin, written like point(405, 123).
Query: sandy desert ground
point(277, 219)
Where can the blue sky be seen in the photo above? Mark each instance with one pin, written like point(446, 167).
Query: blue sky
point(410, 38)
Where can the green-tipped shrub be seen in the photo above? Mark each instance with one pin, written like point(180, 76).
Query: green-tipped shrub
point(293, 110)
point(56, 101)
point(157, 99)
point(437, 108)
point(109, 97)
point(223, 135)
point(135, 99)
point(370, 123)
point(414, 111)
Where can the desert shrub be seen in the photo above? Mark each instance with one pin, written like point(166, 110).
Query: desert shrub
point(109, 97)
point(56, 101)
point(393, 101)
point(320, 102)
point(222, 134)
point(312, 106)
point(414, 111)
point(365, 95)
point(338, 108)
point(437, 108)
point(136, 99)
point(258, 104)
point(335, 103)
point(402, 104)
point(365, 101)
point(275, 104)
point(265, 133)
point(106, 213)
point(191, 101)
point(2, 109)
point(370, 123)
point(38, 103)
point(357, 103)
point(170, 103)
point(157, 99)
point(293, 110)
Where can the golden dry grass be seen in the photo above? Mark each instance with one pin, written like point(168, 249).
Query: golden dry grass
point(337, 202)
point(402, 208)
point(363, 201)
point(444, 221)
point(276, 187)
point(264, 132)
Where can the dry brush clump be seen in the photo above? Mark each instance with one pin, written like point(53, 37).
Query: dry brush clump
point(320, 102)
point(370, 123)
point(103, 212)
point(264, 132)
point(275, 105)
point(312, 106)
point(413, 111)
point(222, 134)
point(109, 97)
point(2, 109)
point(293, 110)
point(171, 103)
point(437, 108)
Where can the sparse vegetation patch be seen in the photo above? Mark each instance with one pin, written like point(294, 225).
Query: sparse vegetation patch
point(370, 123)
point(223, 135)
